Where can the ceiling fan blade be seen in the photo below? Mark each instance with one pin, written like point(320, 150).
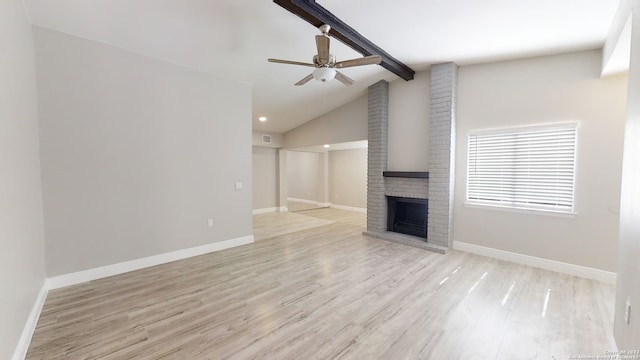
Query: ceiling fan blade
point(344, 78)
point(290, 62)
point(367, 60)
point(322, 43)
point(305, 80)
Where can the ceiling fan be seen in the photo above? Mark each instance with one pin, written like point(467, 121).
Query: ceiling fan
point(325, 63)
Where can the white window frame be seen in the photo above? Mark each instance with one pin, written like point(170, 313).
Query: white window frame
point(504, 198)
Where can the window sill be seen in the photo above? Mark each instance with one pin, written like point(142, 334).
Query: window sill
point(571, 215)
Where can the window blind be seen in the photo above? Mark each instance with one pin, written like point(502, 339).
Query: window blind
point(529, 168)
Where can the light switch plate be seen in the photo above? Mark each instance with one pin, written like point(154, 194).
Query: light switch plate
point(239, 185)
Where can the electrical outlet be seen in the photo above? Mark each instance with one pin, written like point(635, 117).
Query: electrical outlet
point(239, 185)
point(210, 222)
point(627, 311)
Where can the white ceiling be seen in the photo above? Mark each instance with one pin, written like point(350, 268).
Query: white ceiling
point(233, 39)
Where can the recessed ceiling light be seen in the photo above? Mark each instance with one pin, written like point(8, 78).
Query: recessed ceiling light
point(262, 119)
point(326, 145)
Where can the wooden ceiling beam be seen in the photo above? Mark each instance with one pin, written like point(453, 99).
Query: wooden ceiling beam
point(316, 15)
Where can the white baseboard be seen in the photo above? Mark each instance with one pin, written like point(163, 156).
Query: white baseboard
point(265, 210)
point(123, 267)
point(321, 204)
point(304, 201)
point(284, 209)
point(30, 326)
point(349, 208)
point(561, 267)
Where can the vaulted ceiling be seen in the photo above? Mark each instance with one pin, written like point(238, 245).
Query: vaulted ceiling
point(233, 39)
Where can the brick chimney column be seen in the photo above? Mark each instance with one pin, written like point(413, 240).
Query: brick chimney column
point(442, 141)
point(377, 156)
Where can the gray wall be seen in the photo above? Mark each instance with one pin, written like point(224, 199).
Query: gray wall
point(628, 335)
point(305, 175)
point(343, 124)
point(22, 270)
point(265, 177)
point(348, 178)
point(137, 154)
point(408, 137)
point(548, 89)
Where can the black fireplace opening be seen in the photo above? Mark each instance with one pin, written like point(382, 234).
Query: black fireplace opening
point(407, 216)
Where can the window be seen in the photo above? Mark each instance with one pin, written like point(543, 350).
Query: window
point(526, 168)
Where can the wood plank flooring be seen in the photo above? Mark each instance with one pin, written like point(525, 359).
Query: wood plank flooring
point(273, 224)
point(338, 215)
point(295, 206)
point(324, 291)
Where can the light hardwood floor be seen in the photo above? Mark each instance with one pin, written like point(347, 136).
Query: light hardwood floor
point(338, 215)
point(295, 206)
point(318, 289)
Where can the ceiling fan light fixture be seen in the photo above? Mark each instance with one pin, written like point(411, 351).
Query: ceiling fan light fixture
point(324, 74)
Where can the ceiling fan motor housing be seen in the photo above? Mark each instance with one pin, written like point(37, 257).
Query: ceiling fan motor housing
point(330, 63)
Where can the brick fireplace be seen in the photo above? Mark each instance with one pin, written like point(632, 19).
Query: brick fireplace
point(434, 187)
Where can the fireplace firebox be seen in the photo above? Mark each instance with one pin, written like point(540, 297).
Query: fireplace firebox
point(407, 216)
